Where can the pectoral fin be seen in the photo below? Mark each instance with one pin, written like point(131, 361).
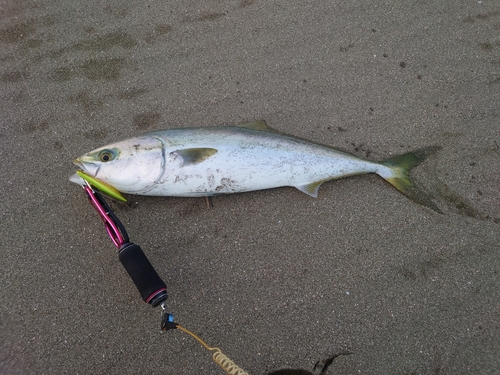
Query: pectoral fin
point(194, 155)
point(310, 189)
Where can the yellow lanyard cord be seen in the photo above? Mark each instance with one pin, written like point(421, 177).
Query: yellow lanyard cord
point(229, 367)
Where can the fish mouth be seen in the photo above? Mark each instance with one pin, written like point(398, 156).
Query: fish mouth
point(85, 177)
point(75, 177)
point(79, 164)
point(89, 168)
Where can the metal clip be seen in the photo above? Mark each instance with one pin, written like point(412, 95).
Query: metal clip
point(167, 320)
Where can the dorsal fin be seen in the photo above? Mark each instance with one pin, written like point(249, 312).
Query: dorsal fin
point(194, 155)
point(259, 125)
point(256, 125)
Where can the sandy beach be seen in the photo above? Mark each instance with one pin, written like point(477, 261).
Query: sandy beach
point(361, 280)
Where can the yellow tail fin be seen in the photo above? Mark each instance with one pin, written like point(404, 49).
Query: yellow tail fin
point(400, 179)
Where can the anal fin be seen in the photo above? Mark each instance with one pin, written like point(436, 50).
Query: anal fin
point(311, 188)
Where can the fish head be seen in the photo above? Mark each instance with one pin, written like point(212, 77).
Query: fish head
point(131, 166)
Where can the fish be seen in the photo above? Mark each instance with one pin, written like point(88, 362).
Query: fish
point(209, 161)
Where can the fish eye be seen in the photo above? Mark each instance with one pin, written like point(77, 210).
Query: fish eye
point(106, 155)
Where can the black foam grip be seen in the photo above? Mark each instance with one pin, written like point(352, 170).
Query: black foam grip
point(142, 273)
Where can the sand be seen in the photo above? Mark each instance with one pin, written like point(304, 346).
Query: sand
point(276, 279)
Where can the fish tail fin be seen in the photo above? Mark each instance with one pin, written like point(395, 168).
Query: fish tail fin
point(398, 175)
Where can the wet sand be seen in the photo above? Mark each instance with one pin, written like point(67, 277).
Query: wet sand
point(276, 279)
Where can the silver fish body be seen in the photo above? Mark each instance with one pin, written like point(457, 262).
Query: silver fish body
point(231, 159)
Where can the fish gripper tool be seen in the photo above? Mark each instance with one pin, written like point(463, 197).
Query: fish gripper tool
point(150, 286)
